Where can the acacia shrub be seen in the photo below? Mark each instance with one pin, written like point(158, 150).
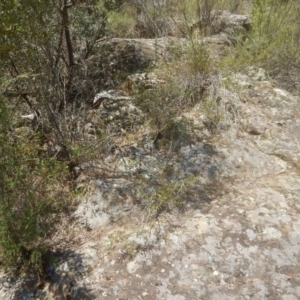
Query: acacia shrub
point(29, 199)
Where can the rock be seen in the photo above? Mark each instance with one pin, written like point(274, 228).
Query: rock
point(221, 29)
point(89, 128)
point(248, 239)
point(109, 200)
point(114, 59)
point(254, 124)
point(141, 81)
point(108, 95)
point(29, 117)
point(259, 75)
point(223, 22)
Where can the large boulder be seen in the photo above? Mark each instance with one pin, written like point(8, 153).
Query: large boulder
point(114, 59)
point(223, 23)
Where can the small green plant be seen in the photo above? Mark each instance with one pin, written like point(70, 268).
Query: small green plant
point(168, 195)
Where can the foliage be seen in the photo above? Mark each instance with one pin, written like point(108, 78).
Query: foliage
point(121, 23)
point(27, 193)
point(155, 18)
point(273, 41)
point(186, 76)
point(168, 196)
point(43, 46)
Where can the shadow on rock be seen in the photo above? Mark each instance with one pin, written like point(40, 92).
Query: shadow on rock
point(61, 284)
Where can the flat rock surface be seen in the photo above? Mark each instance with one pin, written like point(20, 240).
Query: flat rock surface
point(239, 237)
point(246, 244)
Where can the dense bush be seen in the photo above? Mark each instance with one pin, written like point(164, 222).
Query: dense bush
point(273, 42)
point(29, 198)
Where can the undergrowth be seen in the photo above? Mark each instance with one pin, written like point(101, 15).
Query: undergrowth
point(30, 198)
point(167, 196)
point(186, 72)
point(273, 41)
point(32, 192)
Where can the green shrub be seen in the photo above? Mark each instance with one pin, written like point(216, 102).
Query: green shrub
point(168, 196)
point(28, 199)
point(273, 42)
point(188, 70)
point(121, 23)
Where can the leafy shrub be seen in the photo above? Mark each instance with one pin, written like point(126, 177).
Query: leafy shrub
point(28, 198)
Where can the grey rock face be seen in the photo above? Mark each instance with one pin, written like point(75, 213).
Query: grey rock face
point(244, 242)
point(239, 235)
